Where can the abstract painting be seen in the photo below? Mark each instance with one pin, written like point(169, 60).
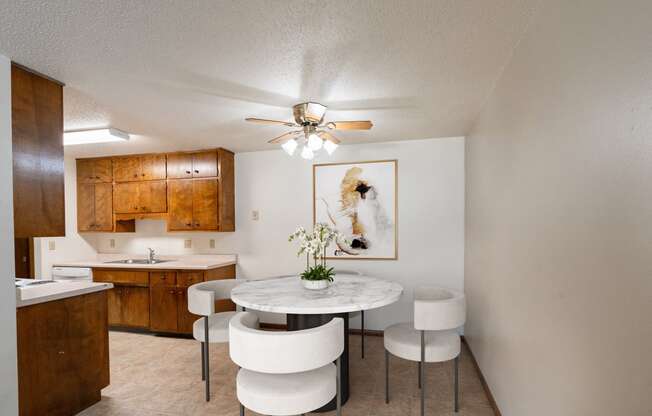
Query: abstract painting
point(359, 200)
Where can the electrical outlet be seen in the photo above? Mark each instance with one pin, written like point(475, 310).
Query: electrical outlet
point(211, 243)
point(112, 243)
point(187, 243)
point(52, 245)
point(255, 215)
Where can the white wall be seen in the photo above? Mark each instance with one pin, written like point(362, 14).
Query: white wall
point(8, 375)
point(559, 216)
point(431, 219)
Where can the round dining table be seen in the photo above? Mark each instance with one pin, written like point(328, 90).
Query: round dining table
point(307, 308)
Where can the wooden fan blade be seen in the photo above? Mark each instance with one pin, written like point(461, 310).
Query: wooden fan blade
point(327, 136)
point(264, 121)
point(350, 125)
point(285, 137)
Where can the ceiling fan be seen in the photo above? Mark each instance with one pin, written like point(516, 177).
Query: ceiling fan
point(312, 132)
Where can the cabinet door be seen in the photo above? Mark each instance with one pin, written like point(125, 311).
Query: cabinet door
point(135, 306)
point(204, 164)
point(204, 204)
point(85, 207)
point(152, 196)
point(162, 279)
point(185, 319)
point(85, 171)
point(114, 300)
point(180, 208)
point(163, 308)
point(125, 198)
point(126, 169)
point(179, 165)
point(103, 207)
point(103, 170)
point(152, 167)
point(186, 279)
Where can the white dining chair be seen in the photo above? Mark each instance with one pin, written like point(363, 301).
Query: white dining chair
point(357, 273)
point(432, 337)
point(286, 373)
point(201, 301)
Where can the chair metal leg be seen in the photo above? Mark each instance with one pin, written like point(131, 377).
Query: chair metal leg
point(423, 381)
point(457, 383)
point(206, 360)
point(419, 371)
point(362, 331)
point(339, 387)
point(241, 410)
point(203, 360)
point(386, 376)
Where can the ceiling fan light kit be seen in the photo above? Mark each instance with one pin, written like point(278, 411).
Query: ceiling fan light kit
point(313, 134)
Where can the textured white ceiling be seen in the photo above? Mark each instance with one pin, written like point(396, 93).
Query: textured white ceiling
point(184, 74)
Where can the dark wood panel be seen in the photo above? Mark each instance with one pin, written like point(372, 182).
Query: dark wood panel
point(103, 207)
point(162, 279)
point(188, 278)
point(63, 355)
point(152, 167)
point(135, 306)
point(37, 138)
point(125, 277)
point(86, 207)
point(185, 319)
point(226, 202)
point(180, 204)
point(179, 165)
point(204, 204)
point(114, 300)
point(204, 164)
point(226, 272)
point(22, 258)
point(163, 308)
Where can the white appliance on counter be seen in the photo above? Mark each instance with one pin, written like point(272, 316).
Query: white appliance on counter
point(78, 274)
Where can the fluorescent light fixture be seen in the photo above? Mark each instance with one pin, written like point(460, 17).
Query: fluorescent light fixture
point(94, 136)
point(315, 142)
point(329, 146)
point(306, 153)
point(290, 146)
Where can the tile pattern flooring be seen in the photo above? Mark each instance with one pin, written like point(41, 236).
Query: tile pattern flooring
point(161, 376)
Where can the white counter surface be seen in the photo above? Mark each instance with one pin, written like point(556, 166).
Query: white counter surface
point(185, 262)
point(54, 290)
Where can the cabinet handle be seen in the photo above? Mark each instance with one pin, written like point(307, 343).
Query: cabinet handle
point(135, 175)
point(97, 177)
point(188, 224)
point(90, 177)
point(196, 170)
point(197, 224)
point(162, 277)
point(188, 172)
point(172, 292)
point(143, 208)
point(142, 174)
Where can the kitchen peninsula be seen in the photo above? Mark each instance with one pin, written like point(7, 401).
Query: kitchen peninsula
point(154, 296)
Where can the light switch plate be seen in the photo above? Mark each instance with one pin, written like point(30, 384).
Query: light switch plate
point(255, 215)
point(52, 245)
point(187, 243)
point(211, 243)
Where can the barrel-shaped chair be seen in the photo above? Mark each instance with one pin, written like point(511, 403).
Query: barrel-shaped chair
point(201, 301)
point(286, 373)
point(432, 337)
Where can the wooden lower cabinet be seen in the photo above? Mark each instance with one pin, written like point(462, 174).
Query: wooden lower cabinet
point(63, 355)
point(157, 300)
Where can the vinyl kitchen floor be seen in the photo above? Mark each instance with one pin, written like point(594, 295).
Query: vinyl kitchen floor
point(161, 376)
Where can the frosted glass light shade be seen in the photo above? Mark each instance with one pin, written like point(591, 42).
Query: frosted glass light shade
point(315, 142)
point(307, 153)
point(290, 146)
point(329, 146)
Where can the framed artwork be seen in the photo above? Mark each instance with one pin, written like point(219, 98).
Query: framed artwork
point(360, 201)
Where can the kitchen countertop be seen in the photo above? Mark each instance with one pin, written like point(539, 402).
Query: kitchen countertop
point(54, 290)
point(182, 262)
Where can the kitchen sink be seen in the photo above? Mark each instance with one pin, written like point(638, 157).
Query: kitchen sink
point(136, 261)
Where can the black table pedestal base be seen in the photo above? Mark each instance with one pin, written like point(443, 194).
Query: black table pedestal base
point(299, 321)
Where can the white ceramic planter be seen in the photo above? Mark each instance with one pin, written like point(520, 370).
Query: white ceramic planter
point(315, 284)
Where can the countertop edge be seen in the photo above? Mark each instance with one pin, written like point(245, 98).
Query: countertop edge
point(160, 266)
point(98, 287)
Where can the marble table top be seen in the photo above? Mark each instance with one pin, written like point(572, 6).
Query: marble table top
point(348, 293)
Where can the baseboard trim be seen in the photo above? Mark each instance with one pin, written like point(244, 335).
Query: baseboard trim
point(490, 396)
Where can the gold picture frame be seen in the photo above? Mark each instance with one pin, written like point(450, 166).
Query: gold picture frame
point(315, 167)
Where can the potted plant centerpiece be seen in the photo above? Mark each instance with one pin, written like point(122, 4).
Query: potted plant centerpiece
point(317, 274)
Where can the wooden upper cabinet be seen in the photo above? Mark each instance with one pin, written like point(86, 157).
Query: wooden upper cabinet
point(180, 204)
point(204, 204)
point(94, 207)
point(139, 168)
point(37, 144)
point(140, 197)
point(192, 165)
point(94, 170)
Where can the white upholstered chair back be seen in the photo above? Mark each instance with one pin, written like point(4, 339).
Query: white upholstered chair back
point(289, 352)
point(437, 308)
point(202, 296)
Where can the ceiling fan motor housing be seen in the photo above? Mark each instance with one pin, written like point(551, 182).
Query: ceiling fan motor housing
point(309, 113)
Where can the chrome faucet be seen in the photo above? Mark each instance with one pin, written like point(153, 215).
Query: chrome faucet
point(151, 255)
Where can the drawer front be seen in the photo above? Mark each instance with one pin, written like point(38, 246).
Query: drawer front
point(127, 277)
point(226, 272)
point(162, 279)
point(186, 279)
